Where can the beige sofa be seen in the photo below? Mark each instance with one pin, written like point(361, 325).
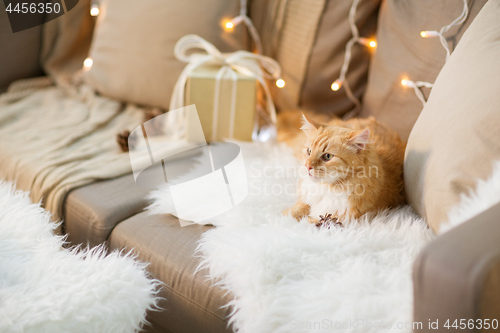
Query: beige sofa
point(457, 276)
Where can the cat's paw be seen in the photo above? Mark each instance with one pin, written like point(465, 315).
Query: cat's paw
point(297, 212)
point(313, 220)
point(287, 211)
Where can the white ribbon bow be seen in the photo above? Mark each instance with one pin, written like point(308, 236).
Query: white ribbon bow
point(246, 63)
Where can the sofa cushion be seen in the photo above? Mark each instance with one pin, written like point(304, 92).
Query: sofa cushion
point(308, 39)
point(403, 53)
point(133, 45)
point(66, 40)
point(92, 211)
point(191, 302)
point(456, 276)
point(456, 139)
point(327, 57)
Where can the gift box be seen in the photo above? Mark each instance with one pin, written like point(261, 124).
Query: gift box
point(224, 87)
point(226, 102)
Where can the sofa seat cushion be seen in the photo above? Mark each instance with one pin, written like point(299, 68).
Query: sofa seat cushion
point(92, 211)
point(191, 302)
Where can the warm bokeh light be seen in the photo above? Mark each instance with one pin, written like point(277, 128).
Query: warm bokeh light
point(280, 83)
point(372, 43)
point(87, 63)
point(94, 10)
point(429, 33)
point(229, 25)
point(336, 85)
point(405, 83)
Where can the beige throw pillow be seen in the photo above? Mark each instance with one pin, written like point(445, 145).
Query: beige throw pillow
point(133, 45)
point(19, 52)
point(403, 53)
point(456, 139)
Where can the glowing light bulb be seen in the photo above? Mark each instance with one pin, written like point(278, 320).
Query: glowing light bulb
point(229, 25)
point(429, 33)
point(407, 83)
point(94, 10)
point(280, 83)
point(367, 42)
point(336, 85)
point(87, 63)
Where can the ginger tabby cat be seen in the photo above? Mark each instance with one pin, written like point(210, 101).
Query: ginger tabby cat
point(353, 167)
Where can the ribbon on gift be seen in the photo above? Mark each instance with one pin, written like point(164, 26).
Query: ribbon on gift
point(246, 63)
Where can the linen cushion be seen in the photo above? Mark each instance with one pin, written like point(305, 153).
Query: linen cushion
point(456, 139)
point(133, 45)
point(403, 53)
point(191, 302)
point(92, 211)
point(308, 39)
point(66, 40)
point(457, 276)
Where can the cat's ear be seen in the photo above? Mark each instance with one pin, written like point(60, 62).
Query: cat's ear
point(309, 127)
point(359, 139)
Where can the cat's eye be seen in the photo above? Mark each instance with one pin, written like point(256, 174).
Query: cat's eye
point(308, 150)
point(327, 157)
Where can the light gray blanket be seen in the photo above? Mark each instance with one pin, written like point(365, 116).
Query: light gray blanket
point(56, 138)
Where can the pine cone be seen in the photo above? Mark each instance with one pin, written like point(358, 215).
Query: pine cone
point(122, 139)
point(154, 127)
point(151, 113)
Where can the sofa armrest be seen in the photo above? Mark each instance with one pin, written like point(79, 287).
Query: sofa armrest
point(457, 276)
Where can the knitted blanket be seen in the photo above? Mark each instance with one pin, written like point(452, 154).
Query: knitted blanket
point(56, 138)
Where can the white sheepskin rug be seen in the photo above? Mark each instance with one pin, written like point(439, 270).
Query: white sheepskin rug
point(46, 288)
point(294, 277)
point(485, 195)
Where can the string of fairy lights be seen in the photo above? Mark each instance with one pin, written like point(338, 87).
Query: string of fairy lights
point(94, 8)
point(341, 81)
point(405, 82)
point(416, 85)
point(229, 25)
point(243, 17)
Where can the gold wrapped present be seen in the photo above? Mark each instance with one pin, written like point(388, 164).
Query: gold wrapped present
point(223, 87)
point(226, 102)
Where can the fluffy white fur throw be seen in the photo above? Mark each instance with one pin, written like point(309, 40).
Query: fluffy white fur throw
point(293, 277)
point(46, 288)
point(288, 276)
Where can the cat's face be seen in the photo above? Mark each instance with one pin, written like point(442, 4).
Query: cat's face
point(331, 153)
